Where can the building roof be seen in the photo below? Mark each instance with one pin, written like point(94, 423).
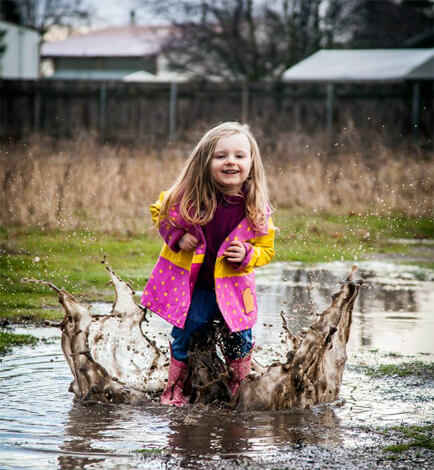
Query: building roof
point(144, 76)
point(346, 65)
point(122, 41)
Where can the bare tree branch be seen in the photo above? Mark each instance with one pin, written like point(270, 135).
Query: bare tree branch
point(243, 40)
point(253, 40)
point(43, 14)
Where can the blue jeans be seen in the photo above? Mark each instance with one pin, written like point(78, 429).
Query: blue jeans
point(201, 315)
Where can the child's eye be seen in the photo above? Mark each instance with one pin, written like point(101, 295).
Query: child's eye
point(240, 156)
point(219, 156)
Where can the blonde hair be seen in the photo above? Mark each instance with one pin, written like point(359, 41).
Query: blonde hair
point(195, 189)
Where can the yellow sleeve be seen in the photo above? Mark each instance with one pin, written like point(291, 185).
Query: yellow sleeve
point(263, 248)
point(156, 207)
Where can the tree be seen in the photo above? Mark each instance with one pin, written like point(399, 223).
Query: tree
point(388, 23)
point(43, 14)
point(2, 45)
point(9, 11)
point(245, 40)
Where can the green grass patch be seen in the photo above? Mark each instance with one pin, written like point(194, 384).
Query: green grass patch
point(325, 238)
point(71, 259)
point(403, 369)
point(425, 264)
point(9, 340)
point(410, 437)
point(151, 451)
point(393, 354)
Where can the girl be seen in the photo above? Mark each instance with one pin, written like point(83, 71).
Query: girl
point(216, 225)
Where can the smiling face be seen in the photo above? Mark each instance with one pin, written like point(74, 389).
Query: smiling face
point(231, 162)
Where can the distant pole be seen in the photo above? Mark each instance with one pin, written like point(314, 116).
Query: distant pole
point(415, 113)
point(2, 131)
point(297, 120)
point(172, 110)
point(37, 107)
point(102, 110)
point(329, 111)
point(245, 101)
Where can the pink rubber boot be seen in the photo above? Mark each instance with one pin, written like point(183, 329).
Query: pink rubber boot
point(239, 369)
point(173, 394)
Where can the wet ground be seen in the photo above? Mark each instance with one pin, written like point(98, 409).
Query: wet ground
point(41, 427)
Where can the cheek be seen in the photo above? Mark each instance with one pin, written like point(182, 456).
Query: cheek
point(214, 172)
point(248, 167)
point(213, 168)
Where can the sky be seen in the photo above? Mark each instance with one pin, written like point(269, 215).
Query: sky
point(116, 12)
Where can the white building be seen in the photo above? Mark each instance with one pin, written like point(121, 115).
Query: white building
point(335, 67)
point(20, 59)
point(130, 52)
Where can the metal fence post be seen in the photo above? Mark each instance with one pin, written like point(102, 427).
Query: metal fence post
point(37, 107)
point(102, 110)
point(172, 110)
point(244, 101)
point(329, 111)
point(415, 113)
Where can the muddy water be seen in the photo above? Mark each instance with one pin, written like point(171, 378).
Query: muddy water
point(41, 427)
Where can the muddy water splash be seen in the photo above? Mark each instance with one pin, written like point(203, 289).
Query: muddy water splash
point(313, 371)
point(40, 427)
point(110, 356)
point(113, 359)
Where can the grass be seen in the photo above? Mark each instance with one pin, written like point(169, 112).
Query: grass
point(403, 369)
point(81, 183)
point(414, 436)
point(328, 238)
point(8, 340)
point(425, 265)
point(71, 259)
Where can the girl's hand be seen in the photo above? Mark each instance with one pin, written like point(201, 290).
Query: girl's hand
point(188, 242)
point(235, 252)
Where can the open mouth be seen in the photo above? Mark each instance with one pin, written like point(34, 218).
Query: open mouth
point(230, 172)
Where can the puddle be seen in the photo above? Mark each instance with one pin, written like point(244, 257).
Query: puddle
point(412, 241)
point(41, 427)
point(394, 311)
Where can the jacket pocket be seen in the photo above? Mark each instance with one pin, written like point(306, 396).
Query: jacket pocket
point(248, 301)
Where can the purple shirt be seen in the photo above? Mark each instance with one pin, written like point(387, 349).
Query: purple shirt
point(229, 213)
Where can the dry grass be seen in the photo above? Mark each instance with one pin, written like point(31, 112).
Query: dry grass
point(81, 183)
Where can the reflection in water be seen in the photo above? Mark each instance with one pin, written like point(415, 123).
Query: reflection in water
point(387, 304)
point(228, 433)
point(100, 433)
point(41, 428)
point(85, 427)
point(93, 432)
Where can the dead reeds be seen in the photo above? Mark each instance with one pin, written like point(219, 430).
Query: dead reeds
point(84, 184)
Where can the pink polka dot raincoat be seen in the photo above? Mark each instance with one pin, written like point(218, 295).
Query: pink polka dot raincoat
point(170, 287)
